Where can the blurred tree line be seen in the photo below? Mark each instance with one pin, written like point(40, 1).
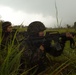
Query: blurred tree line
point(22, 26)
point(73, 26)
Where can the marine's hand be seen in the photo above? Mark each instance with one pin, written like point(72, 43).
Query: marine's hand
point(69, 35)
point(41, 47)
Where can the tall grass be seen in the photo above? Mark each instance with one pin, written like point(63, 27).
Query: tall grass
point(64, 64)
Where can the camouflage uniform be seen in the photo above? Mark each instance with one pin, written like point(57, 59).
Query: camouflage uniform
point(32, 55)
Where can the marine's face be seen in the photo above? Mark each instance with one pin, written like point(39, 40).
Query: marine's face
point(9, 29)
point(41, 33)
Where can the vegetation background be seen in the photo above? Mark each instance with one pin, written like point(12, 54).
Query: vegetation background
point(62, 65)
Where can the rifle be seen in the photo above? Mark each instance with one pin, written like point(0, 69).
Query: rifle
point(54, 37)
point(53, 42)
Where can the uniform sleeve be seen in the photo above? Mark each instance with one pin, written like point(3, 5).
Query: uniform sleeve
point(38, 55)
point(34, 56)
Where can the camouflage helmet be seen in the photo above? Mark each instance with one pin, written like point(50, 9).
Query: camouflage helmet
point(35, 27)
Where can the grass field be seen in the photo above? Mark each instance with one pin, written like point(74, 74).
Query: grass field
point(62, 65)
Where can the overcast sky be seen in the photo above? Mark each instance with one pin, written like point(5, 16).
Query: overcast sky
point(26, 11)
